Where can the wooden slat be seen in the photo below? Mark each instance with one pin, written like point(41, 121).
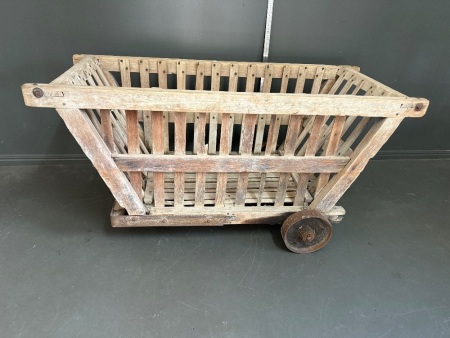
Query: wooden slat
point(107, 132)
point(311, 149)
point(199, 140)
point(246, 139)
point(294, 127)
point(301, 77)
point(211, 216)
point(180, 135)
point(225, 163)
point(199, 84)
point(109, 63)
point(353, 136)
point(131, 128)
point(162, 83)
point(222, 102)
point(213, 117)
point(261, 122)
point(133, 148)
point(144, 73)
point(245, 146)
point(368, 147)
point(224, 150)
point(331, 148)
point(317, 80)
point(232, 87)
point(226, 135)
point(158, 148)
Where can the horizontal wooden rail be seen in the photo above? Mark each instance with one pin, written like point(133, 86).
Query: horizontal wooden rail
point(71, 96)
point(227, 163)
point(111, 63)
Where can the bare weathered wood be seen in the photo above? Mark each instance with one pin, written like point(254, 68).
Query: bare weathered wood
point(158, 148)
point(232, 87)
point(246, 139)
point(162, 83)
point(231, 163)
point(224, 150)
point(144, 73)
point(210, 216)
point(368, 147)
point(199, 139)
point(294, 127)
point(95, 149)
point(245, 148)
point(317, 80)
point(331, 149)
point(311, 149)
point(109, 63)
point(133, 148)
point(353, 136)
point(180, 135)
point(222, 102)
point(261, 121)
point(107, 132)
point(213, 116)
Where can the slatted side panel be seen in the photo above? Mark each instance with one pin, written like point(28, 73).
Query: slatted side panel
point(213, 133)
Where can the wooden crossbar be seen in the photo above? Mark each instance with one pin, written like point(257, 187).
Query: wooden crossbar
point(229, 163)
point(68, 96)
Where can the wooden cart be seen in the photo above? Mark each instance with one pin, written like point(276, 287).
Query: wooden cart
point(188, 142)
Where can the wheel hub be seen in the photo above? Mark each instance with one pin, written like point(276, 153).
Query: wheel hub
point(307, 235)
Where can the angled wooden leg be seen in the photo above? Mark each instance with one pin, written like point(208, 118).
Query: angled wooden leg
point(369, 146)
point(95, 149)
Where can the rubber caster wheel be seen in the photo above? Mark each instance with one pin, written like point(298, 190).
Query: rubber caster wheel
point(306, 231)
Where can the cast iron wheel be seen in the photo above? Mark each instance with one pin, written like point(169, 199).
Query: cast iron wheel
point(306, 231)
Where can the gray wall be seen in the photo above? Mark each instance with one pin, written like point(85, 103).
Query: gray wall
point(404, 44)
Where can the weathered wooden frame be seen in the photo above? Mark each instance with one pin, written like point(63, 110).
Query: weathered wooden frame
point(75, 96)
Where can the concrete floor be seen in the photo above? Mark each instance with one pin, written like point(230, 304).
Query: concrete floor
point(65, 273)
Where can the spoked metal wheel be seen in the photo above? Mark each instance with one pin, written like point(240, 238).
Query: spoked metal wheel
point(306, 231)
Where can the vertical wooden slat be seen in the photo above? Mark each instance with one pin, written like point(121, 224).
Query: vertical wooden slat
point(146, 114)
point(133, 148)
point(331, 149)
point(226, 135)
point(301, 77)
point(295, 124)
point(224, 150)
point(232, 87)
point(180, 136)
point(261, 124)
point(246, 139)
point(158, 149)
point(162, 83)
point(213, 117)
point(311, 149)
point(199, 83)
point(107, 132)
point(317, 80)
point(247, 134)
point(132, 128)
point(199, 140)
point(125, 77)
